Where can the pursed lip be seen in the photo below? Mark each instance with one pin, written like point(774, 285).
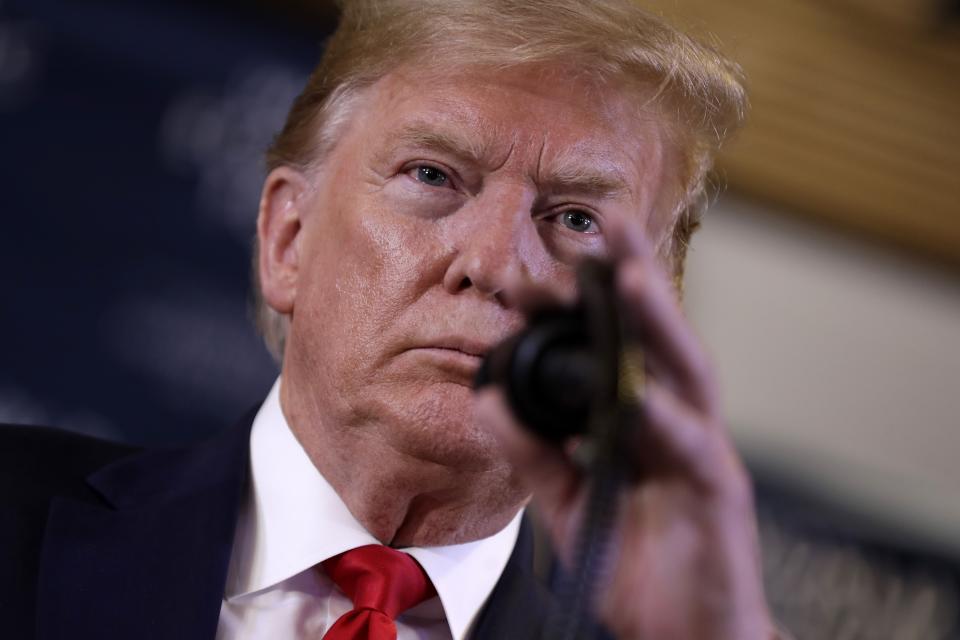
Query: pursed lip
point(466, 346)
point(457, 356)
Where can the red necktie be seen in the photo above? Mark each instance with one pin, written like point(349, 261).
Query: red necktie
point(382, 583)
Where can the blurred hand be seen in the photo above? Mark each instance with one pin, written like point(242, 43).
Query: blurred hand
point(688, 560)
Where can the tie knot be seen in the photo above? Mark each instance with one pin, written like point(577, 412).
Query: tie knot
point(380, 578)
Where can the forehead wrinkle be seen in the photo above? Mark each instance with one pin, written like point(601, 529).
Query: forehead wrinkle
point(539, 170)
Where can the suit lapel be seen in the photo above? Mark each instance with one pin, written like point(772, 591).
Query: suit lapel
point(519, 604)
point(150, 561)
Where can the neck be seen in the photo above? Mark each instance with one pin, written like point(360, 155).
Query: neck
point(402, 499)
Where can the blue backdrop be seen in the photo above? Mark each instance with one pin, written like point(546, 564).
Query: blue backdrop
point(132, 137)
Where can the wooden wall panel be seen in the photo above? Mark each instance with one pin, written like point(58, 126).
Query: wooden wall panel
point(854, 121)
point(918, 14)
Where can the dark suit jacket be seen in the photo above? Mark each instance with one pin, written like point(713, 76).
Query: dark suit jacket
point(103, 541)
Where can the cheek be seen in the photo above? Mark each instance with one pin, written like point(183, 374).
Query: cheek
point(398, 252)
point(370, 265)
point(390, 251)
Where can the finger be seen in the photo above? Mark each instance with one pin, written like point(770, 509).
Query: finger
point(627, 241)
point(652, 312)
point(666, 437)
point(669, 438)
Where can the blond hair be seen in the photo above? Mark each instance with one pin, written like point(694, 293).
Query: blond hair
point(698, 90)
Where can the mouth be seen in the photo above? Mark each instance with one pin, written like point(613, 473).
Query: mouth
point(466, 346)
point(457, 359)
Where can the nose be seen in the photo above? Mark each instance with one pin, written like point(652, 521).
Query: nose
point(496, 242)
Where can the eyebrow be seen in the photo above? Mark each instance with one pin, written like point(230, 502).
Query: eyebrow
point(425, 135)
point(571, 173)
point(601, 179)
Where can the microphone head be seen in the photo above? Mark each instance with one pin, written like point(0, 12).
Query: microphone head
point(547, 372)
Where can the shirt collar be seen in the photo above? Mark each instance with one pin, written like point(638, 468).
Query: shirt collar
point(293, 520)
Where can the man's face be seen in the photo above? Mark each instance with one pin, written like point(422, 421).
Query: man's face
point(440, 194)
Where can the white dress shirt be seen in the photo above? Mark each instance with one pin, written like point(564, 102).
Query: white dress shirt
point(293, 519)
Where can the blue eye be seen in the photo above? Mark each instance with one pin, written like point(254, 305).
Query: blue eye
point(431, 176)
point(577, 220)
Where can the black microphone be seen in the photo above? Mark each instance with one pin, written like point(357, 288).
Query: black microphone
point(562, 368)
point(563, 376)
point(547, 372)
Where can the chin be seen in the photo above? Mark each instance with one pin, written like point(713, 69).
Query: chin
point(436, 423)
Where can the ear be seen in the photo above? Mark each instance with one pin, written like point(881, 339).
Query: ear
point(278, 234)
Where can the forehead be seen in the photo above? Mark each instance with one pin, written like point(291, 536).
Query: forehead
point(475, 95)
point(562, 121)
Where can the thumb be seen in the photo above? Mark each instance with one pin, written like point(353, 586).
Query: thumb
point(556, 482)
